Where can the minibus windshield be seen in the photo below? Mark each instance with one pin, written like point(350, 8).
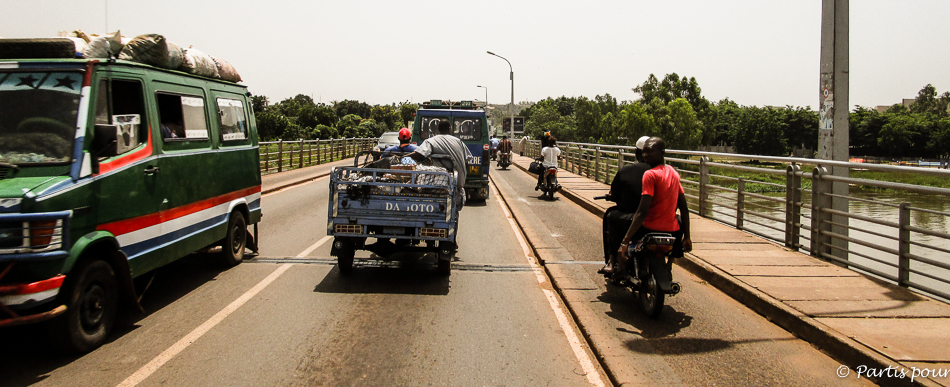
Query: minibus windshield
point(38, 113)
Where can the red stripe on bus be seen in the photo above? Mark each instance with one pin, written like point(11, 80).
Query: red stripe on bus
point(134, 224)
point(128, 159)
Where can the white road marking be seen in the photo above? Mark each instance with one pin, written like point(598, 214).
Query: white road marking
point(593, 376)
point(314, 247)
point(190, 338)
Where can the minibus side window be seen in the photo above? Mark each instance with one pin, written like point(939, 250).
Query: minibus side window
point(232, 118)
point(182, 117)
point(120, 103)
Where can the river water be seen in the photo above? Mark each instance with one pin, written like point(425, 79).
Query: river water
point(881, 205)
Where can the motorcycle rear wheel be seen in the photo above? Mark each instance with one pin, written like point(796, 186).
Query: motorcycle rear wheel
point(651, 297)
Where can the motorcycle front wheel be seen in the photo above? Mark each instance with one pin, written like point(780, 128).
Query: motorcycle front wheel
point(651, 297)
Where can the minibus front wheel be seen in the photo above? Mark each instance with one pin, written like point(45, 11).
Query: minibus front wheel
point(232, 247)
point(90, 293)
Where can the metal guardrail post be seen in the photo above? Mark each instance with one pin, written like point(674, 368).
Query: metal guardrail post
point(309, 153)
point(793, 212)
point(903, 259)
point(280, 156)
point(586, 163)
point(576, 160)
point(740, 204)
point(704, 207)
point(301, 153)
point(345, 151)
point(597, 164)
point(266, 149)
point(820, 220)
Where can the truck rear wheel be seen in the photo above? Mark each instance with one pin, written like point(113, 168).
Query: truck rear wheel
point(90, 294)
point(344, 257)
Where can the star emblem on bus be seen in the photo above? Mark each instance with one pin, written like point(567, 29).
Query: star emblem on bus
point(65, 82)
point(27, 81)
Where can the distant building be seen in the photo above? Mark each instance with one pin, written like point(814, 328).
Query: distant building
point(907, 102)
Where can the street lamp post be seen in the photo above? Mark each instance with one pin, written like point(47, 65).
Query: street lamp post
point(511, 112)
point(486, 97)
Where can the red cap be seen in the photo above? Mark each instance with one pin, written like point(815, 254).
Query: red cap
point(404, 135)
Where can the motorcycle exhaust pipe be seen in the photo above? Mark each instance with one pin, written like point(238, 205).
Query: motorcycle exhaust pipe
point(675, 288)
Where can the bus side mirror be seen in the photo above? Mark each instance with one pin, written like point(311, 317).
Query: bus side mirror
point(104, 141)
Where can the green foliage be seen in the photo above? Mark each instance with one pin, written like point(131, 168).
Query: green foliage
point(760, 131)
point(347, 107)
point(546, 118)
point(407, 114)
point(348, 126)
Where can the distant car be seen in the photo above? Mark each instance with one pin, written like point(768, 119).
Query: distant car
point(387, 140)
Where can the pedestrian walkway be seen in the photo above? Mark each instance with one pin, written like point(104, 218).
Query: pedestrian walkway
point(862, 321)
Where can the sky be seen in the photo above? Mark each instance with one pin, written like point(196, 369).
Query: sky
point(754, 52)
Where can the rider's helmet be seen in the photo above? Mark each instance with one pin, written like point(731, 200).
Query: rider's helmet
point(404, 135)
point(642, 142)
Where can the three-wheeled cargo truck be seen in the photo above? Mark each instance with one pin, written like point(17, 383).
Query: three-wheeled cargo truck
point(405, 210)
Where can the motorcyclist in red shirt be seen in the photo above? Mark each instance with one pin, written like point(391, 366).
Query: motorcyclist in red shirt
point(662, 196)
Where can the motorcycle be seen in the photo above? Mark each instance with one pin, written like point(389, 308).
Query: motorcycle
point(549, 185)
point(504, 159)
point(648, 271)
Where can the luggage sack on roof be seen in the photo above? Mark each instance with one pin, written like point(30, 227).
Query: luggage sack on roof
point(150, 49)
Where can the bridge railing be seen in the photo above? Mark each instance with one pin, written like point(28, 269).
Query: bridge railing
point(896, 231)
point(278, 156)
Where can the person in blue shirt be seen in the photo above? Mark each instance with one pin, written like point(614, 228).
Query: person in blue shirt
point(404, 146)
point(494, 146)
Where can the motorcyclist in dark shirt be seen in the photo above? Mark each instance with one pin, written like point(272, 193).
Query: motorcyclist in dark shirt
point(625, 190)
point(662, 196)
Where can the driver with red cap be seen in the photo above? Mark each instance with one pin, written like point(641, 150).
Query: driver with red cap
point(405, 135)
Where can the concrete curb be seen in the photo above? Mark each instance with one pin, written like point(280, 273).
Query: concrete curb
point(826, 339)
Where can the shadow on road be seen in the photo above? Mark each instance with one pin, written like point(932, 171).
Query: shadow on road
point(688, 345)
point(625, 307)
point(411, 274)
point(27, 357)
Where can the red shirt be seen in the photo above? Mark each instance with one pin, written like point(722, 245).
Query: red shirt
point(663, 183)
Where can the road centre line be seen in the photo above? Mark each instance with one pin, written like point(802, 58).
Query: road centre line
point(593, 376)
point(156, 363)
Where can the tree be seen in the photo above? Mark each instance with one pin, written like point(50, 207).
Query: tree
point(348, 126)
point(588, 117)
point(324, 132)
point(928, 102)
point(546, 118)
point(258, 103)
point(760, 131)
point(347, 107)
point(723, 129)
point(683, 130)
point(865, 128)
point(407, 113)
point(634, 122)
point(801, 127)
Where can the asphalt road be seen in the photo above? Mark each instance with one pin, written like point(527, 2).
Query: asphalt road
point(390, 323)
point(287, 317)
